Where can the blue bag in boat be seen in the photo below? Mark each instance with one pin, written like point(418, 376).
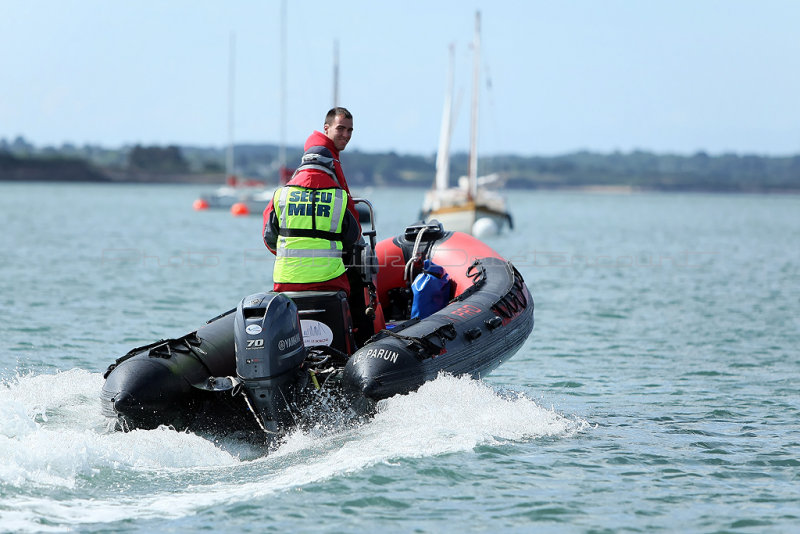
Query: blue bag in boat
point(431, 289)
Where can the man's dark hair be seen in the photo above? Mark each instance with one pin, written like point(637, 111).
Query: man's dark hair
point(337, 111)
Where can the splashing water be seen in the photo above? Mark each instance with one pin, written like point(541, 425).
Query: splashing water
point(54, 441)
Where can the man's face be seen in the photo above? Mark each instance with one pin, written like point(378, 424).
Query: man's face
point(340, 131)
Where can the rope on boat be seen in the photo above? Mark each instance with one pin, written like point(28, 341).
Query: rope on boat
point(319, 355)
point(416, 257)
point(191, 340)
point(239, 389)
point(477, 272)
point(514, 301)
point(269, 433)
point(424, 345)
point(508, 305)
point(131, 353)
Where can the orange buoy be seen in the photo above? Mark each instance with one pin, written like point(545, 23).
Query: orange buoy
point(200, 204)
point(240, 208)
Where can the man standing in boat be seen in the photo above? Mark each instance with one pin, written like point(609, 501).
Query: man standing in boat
point(312, 220)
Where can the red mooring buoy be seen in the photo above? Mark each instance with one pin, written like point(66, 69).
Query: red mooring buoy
point(240, 208)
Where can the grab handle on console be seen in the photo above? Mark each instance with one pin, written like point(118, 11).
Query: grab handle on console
point(431, 230)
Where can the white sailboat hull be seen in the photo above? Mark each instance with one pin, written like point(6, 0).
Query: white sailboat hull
point(485, 216)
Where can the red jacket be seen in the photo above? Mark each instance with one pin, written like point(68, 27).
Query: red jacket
point(314, 179)
point(320, 139)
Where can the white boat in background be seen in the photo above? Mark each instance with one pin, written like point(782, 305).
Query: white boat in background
point(235, 191)
point(473, 206)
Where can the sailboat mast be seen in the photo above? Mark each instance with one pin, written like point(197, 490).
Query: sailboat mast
point(442, 180)
point(472, 170)
point(282, 147)
point(229, 170)
point(335, 73)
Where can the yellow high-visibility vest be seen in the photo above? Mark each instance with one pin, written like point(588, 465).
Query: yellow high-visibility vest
point(309, 247)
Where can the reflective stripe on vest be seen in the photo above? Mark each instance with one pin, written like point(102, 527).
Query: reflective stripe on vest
point(309, 247)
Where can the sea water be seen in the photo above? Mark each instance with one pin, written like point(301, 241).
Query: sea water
point(659, 391)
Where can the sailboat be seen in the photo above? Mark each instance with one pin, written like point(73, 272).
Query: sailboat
point(471, 207)
point(235, 190)
point(256, 202)
point(248, 196)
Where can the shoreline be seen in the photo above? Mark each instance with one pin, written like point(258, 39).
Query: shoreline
point(593, 189)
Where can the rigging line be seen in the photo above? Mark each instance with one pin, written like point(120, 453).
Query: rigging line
point(491, 115)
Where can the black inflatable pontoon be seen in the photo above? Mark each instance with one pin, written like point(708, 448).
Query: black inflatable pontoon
point(278, 358)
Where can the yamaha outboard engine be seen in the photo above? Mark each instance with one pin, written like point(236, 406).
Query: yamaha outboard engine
point(269, 355)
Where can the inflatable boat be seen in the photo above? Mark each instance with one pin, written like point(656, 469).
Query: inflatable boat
point(282, 360)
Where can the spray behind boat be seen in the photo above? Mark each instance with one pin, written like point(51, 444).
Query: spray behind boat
point(269, 355)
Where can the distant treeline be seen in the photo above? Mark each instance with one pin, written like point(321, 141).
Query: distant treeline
point(22, 169)
point(20, 160)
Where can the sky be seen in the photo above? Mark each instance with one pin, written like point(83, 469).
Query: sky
point(667, 76)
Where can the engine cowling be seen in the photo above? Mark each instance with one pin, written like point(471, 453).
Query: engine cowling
point(269, 355)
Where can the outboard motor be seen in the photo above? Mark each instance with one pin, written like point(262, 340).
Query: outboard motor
point(269, 355)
